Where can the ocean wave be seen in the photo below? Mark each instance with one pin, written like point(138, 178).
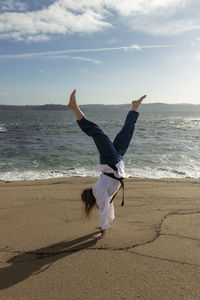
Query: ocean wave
point(46, 174)
point(3, 128)
point(145, 172)
point(162, 172)
point(42, 145)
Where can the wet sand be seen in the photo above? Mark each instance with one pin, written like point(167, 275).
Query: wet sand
point(151, 251)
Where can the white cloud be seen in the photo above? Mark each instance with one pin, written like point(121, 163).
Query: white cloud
point(94, 61)
point(60, 54)
point(158, 17)
point(55, 19)
point(37, 38)
point(3, 93)
point(12, 5)
point(84, 70)
point(53, 55)
point(168, 27)
point(125, 7)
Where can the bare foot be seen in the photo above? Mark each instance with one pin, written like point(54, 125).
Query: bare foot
point(100, 235)
point(135, 104)
point(72, 100)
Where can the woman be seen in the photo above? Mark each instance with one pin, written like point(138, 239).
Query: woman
point(111, 154)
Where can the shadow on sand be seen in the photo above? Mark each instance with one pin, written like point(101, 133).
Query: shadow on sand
point(34, 262)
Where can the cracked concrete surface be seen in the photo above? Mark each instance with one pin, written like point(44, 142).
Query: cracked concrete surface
point(150, 252)
point(160, 232)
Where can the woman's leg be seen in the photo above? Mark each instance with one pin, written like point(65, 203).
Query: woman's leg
point(108, 154)
point(73, 105)
point(123, 138)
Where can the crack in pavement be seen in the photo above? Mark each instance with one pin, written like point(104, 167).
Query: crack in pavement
point(164, 259)
point(180, 236)
point(157, 231)
point(34, 255)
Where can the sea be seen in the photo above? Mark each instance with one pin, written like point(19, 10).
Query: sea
point(46, 142)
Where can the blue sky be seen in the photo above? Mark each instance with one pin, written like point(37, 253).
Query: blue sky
point(111, 51)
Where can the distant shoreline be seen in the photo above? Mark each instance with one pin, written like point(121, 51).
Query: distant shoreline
point(148, 106)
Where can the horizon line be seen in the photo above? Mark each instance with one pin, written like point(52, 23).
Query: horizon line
point(59, 104)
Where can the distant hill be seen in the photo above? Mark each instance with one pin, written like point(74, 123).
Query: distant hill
point(144, 107)
point(34, 107)
point(170, 107)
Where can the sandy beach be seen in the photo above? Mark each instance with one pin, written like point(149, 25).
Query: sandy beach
point(151, 251)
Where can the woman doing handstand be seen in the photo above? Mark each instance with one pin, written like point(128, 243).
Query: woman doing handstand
point(111, 154)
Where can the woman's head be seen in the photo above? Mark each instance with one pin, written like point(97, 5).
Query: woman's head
point(89, 201)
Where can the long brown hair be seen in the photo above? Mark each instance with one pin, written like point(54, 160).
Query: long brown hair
point(89, 201)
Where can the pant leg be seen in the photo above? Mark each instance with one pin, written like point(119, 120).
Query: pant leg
point(111, 212)
point(123, 138)
point(108, 154)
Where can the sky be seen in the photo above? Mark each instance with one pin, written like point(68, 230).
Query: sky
point(111, 51)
